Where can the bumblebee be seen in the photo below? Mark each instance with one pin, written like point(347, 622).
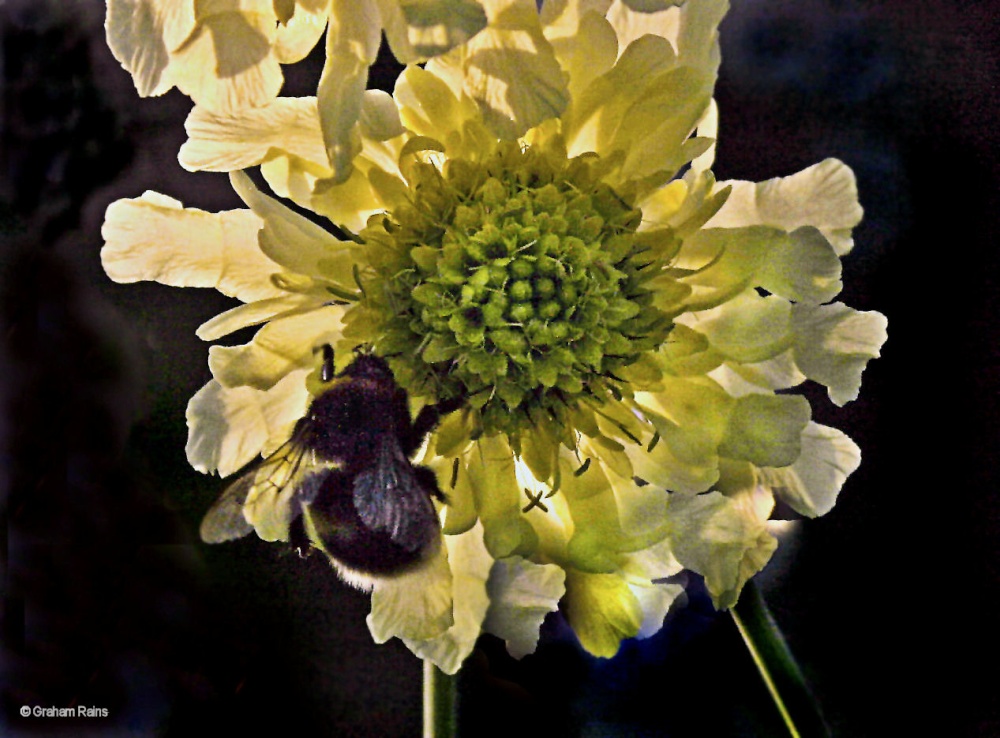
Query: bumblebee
point(343, 483)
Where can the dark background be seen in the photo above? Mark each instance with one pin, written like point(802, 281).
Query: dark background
point(110, 601)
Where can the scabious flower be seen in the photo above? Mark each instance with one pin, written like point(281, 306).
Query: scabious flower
point(532, 226)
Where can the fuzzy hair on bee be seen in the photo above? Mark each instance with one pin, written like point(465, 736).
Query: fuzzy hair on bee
point(344, 483)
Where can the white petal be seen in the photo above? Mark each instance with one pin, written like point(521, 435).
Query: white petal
point(522, 593)
point(824, 195)
point(415, 605)
point(220, 142)
point(470, 568)
point(228, 428)
point(833, 344)
point(154, 238)
point(812, 483)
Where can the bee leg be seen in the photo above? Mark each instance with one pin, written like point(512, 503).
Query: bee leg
point(428, 480)
point(299, 539)
point(427, 420)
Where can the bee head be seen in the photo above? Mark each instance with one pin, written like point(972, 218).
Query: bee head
point(369, 366)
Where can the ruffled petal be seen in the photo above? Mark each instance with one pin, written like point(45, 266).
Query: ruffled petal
point(278, 348)
point(824, 196)
point(142, 34)
point(724, 538)
point(220, 142)
point(602, 610)
point(154, 237)
point(509, 69)
point(419, 29)
point(521, 594)
point(416, 605)
point(229, 427)
point(470, 567)
point(811, 485)
point(833, 344)
point(226, 64)
point(352, 41)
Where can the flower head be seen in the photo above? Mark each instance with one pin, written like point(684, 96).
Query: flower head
point(532, 229)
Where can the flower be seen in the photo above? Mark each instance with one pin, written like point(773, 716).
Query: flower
point(532, 227)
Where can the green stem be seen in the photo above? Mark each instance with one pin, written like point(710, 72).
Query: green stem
point(778, 668)
point(440, 715)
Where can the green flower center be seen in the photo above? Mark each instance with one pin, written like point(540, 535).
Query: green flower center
point(515, 282)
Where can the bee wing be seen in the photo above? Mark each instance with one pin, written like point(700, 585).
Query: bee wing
point(224, 521)
point(266, 498)
point(390, 496)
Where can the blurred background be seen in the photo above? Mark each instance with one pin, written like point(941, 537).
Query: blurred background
point(110, 601)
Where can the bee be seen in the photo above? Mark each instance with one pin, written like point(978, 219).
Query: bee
point(343, 483)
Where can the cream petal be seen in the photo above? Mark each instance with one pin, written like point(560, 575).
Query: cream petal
point(419, 29)
point(155, 238)
point(521, 594)
point(812, 483)
point(824, 196)
point(747, 328)
point(766, 429)
point(297, 243)
point(509, 69)
point(582, 39)
point(255, 313)
point(278, 348)
point(833, 344)
point(229, 427)
point(142, 34)
point(297, 36)
point(220, 142)
point(352, 41)
point(724, 538)
point(414, 606)
point(470, 569)
point(226, 64)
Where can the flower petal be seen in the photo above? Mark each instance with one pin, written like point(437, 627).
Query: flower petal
point(602, 610)
point(521, 594)
point(228, 427)
point(142, 33)
point(295, 242)
point(416, 605)
point(490, 466)
point(278, 348)
point(226, 64)
point(824, 195)
point(509, 69)
point(154, 237)
point(724, 538)
point(470, 568)
point(255, 313)
point(419, 29)
point(811, 485)
point(225, 142)
point(766, 429)
point(352, 41)
point(833, 344)
point(747, 329)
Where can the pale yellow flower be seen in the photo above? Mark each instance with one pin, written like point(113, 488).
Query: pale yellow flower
point(553, 249)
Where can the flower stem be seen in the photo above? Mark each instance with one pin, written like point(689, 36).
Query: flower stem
point(440, 717)
point(778, 668)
